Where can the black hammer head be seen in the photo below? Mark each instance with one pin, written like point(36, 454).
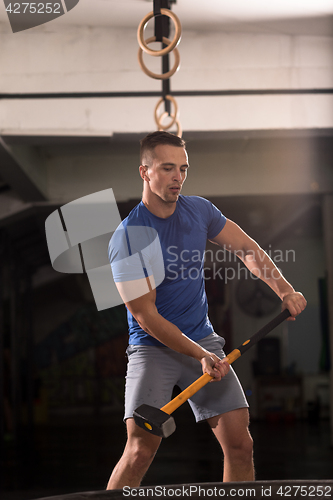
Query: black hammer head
point(154, 421)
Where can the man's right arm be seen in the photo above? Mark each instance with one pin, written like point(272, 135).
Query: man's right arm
point(146, 314)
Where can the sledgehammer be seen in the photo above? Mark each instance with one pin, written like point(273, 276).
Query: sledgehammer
point(160, 422)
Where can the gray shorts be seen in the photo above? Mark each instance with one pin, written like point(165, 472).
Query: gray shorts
point(152, 373)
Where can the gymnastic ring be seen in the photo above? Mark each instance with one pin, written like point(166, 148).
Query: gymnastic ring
point(168, 125)
point(174, 115)
point(179, 128)
point(176, 121)
point(159, 119)
point(162, 76)
point(174, 42)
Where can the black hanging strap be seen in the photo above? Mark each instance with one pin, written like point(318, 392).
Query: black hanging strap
point(162, 29)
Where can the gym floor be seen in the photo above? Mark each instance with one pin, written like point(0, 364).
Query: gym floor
point(78, 453)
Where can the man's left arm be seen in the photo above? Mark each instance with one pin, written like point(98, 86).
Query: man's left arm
point(235, 240)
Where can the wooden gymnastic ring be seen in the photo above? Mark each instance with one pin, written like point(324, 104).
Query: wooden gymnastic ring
point(176, 121)
point(174, 42)
point(162, 76)
point(168, 125)
point(174, 115)
point(179, 128)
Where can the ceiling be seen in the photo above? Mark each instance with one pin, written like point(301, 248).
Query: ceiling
point(313, 17)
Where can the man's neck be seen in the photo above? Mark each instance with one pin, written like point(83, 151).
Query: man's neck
point(158, 207)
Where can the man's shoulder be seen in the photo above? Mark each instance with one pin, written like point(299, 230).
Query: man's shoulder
point(202, 210)
point(193, 202)
point(192, 199)
point(134, 216)
point(118, 239)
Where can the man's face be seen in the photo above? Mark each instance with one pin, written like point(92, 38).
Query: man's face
point(167, 172)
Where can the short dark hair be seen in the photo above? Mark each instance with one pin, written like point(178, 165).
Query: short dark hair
point(149, 143)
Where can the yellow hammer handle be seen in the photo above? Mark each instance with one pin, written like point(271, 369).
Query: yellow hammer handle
point(186, 394)
point(195, 387)
point(235, 354)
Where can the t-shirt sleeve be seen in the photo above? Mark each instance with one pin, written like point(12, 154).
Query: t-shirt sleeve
point(135, 253)
point(125, 265)
point(216, 220)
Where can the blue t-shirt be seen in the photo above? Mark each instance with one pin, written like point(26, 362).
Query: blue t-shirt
point(172, 250)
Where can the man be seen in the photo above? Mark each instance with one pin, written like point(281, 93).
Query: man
point(171, 338)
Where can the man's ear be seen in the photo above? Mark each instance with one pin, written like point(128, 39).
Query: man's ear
point(143, 172)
